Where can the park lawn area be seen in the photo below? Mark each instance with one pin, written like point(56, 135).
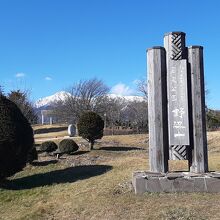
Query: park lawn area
point(97, 185)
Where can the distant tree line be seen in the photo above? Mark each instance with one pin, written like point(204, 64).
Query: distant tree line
point(212, 119)
point(91, 95)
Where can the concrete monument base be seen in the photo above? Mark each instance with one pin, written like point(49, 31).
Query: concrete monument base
point(175, 182)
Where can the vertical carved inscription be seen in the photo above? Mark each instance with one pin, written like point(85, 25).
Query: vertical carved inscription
point(178, 103)
point(174, 43)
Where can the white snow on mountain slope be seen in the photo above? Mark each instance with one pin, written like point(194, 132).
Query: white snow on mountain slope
point(130, 98)
point(49, 100)
point(61, 96)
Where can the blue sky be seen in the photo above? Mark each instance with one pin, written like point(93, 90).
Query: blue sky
point(47, 45)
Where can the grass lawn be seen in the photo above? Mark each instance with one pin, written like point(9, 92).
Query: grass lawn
point(97, 185)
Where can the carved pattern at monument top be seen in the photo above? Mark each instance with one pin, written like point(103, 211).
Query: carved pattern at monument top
point(178, 46)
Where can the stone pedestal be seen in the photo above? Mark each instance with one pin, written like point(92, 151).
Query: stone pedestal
point(175, 182)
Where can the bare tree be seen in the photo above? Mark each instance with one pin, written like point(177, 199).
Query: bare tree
point(135, 115)
point(87, 95)
point(142, 87)
point(113, 110)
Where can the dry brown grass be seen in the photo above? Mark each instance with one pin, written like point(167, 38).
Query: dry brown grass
point(39, 126)
point(84, 193)
point(45, 132)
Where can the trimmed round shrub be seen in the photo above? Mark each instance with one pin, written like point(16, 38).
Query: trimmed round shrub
point(16, 138)
point(68, 146)
point(48, 146)
point(32, 155)
point(90, 127)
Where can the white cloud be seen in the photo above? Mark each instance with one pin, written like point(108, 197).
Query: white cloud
point(48, 78)
point(122, 89)
point(19, 75)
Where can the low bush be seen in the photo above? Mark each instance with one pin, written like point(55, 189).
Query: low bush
point(48, 146)
point(68, 146)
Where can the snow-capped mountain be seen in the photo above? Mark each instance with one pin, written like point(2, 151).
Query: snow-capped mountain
point(61, 96)
point(130, 98)
point(50, 100)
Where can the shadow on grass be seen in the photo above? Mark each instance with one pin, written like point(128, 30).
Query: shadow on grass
point(68, 175)
point(120, 148)
point(44, 163)
point(47, 130)
point(79, 152)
